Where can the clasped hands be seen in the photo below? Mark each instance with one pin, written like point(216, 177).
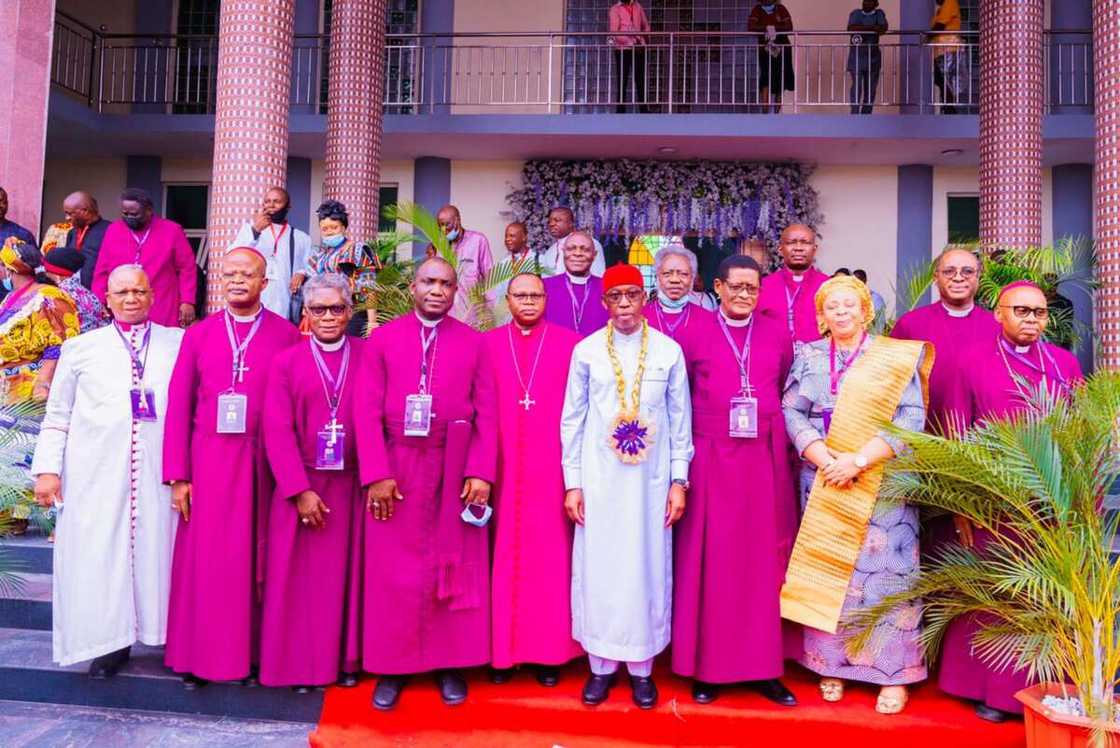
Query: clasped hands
point(384, 494)
point(841, 470)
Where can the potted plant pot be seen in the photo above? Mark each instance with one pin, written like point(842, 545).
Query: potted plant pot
point(1048, 728)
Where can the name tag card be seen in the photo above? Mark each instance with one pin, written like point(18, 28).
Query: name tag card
point(329, 450)
point(417, 415)
point(143, 404)
point(743, 422)
point(232, 409)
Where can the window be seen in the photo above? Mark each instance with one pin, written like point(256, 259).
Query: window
point(188, 205)
point(386, 196)
point(964, 219)
point(196, 58)
point(401, 17)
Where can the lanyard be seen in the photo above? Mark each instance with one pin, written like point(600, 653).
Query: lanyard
point(139, 241)
point(11, 299)
point(427, 374)
point(239, 347)
point(742, 358)
point(138, 365)
point(682, 319)
point(791, 298)
point(80, 236)
point(332, 386)
point(1043, 355)
point(276, 237)
point(578, 307)
point(835, 375)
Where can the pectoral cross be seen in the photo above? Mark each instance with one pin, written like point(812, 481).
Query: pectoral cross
point(334, 427)
point(240, 370)
point(526, 402)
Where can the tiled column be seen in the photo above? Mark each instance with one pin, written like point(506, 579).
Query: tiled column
point(251, 119)
point(26, 31)
point(354, 109)
point(1011, 101)
point(1106, 45)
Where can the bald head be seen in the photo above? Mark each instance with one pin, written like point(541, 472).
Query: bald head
point(1023, 313)
point(798, 247)
point(129, 294)
point(126, 275)
point(450, 222)
point(80, 209)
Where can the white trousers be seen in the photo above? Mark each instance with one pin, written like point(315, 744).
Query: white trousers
point(603, 666)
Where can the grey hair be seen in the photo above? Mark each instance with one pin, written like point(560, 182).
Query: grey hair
point(975, 255)
point(675, 250)
point(328, 282)
point(131, 267)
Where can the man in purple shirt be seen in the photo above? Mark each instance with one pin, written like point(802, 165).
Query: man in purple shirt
point(474, 261)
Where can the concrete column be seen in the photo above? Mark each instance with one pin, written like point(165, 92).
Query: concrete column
point(915, 226)
point(354, 112)
point(1106, 59)
point(432, 190)
point(251, 117)
point(1072, 208)
point(1011, 103)
point(25, 79)
point(915, 63)
point(436, 17)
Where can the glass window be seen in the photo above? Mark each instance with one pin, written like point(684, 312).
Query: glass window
point(387, 196)
point(964, 219)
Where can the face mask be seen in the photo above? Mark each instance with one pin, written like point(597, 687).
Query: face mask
point(7, 283)
point(333, 242)
point(452, 235)
point(471, 518)
point(134, 222)
point(769, 8)
point(668, 303)
point(280, 216)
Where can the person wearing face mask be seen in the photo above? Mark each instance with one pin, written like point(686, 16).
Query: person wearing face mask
point(473, 259)
point(866, 24)
point(338, 253)
point(286, 250)
point(676, 310)
point(159, 246)
point(772, 22)
point(838, 392)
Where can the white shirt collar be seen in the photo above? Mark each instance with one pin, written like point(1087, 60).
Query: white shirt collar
point(429, 323)
point(736, 322)
point(336, 345)
point(1022, 348)
point(579, 280)
point(957, 312)
point(245, 318)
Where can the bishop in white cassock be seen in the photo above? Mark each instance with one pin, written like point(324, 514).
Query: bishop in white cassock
point(285, 248)
point(99, 460)
point(626, 474)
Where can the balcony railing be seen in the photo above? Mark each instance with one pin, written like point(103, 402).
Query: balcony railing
point(909, 72)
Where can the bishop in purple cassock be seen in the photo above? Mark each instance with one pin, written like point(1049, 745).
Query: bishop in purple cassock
point(787, 295)
point(313, 554)
point(576, 294)
point(1010, 364)
point(733, 543)
point(427, 443)
point(673, 312)
point(214, 460)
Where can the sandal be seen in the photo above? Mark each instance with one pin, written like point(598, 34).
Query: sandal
point(892, 699)
point(832, 689)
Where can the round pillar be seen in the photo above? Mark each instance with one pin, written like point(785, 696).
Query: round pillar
point(1106, 60)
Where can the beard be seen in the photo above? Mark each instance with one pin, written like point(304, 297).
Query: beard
point(280, 216)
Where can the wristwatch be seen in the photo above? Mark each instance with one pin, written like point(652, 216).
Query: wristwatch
point(681, 482)
point(860, 461)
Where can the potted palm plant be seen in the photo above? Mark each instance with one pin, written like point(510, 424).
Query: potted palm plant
point(1050, 583)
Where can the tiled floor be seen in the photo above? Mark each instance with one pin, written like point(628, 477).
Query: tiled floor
point(24, 725)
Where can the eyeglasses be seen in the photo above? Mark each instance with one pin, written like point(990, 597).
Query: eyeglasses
point(966, 273)
point(336, 310)
point(1022, 312)
point(614, 298)
point(737, 289)
point(124, 293)
point(525, 298)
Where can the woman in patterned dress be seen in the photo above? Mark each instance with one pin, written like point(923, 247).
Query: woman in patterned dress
point(339, 253)
point(888, 560)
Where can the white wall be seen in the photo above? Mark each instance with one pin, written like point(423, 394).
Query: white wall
point(104, 178)
point(479, 189)
point(965, 180)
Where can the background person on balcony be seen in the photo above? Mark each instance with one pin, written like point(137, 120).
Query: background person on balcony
point(867, 23)
point(87, 231)
point(11, 228)
point(338, 253)
point(161, 248)
point(946, 53)
point(475, 262)
point(561, 224)
point(627, 22)
point(285, 248)
point(775, 55)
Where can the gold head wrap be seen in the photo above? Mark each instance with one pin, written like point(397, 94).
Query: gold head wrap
point(10, 259)
point(845, 283)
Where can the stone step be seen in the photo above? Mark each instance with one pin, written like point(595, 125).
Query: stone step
point(28, 674)
point(27, 603)
point(29, 553)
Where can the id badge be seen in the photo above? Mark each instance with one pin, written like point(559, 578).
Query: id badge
point(826, 416)
point(417, 415)
point(329, 451)
point(232, 407)
point(272, 269)
point(143, 404)
point(744, 417)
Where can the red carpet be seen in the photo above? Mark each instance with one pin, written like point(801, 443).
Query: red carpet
point(522, 713)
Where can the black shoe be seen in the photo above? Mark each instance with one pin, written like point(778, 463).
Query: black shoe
point(387, 692)
point(347, 680)
point(452, 687)
point(303, 689)
point(106, 666)
point(774, 691)
point(192, 682)
point(597, 688)
point(644, 692)
point(548, 676)
point(501, 676)
point(253, 679)
point(991, 714)
point(704, 693)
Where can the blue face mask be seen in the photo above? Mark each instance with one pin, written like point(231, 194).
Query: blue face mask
point(668, 303)
point(7, 283)
point(452, 235)
point(333, 242)
point(769, 8)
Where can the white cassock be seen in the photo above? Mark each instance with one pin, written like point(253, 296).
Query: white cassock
point(286, 250)
point(622, 559)
point(553, 258)
point(116, 529)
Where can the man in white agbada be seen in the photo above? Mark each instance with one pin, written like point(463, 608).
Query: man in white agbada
point(626, 455)
point(561, 225)
point(99, 460)
point(285, 249)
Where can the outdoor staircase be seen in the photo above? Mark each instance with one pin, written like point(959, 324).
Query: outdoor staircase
point(27, 672)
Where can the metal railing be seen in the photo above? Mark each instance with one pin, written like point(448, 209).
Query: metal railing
point(906, 72)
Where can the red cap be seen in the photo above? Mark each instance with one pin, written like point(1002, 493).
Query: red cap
point(1017, 284)
point(622, 275)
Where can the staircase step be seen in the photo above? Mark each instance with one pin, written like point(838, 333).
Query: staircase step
point(29, 553)
point(28, 674)
point(27, 603)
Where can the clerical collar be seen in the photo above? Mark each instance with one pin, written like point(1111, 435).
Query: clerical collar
point(1022, 348)
point(128, 327)
point(1015, 346)
point(526, 331)
point(579, 280)
point(429, 323)
point(797, 277)
point(957, 312)
point(736, 322)
point(336, 345)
